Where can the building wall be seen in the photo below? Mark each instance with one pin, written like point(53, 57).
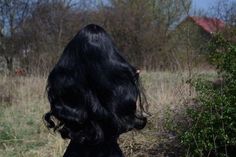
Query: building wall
point(190, 43)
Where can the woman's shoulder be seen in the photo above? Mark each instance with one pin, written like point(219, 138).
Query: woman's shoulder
point(102, 150)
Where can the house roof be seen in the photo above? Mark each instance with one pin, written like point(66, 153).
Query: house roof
point(210, 25)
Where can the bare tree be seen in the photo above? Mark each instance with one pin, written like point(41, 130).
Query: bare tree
point(142, 28)
point(225, 10)
point(12, 15)
point(46, 32)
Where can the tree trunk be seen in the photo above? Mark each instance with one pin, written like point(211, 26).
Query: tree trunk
point(9, 61)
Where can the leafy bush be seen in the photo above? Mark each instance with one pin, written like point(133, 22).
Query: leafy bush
point(213, 128)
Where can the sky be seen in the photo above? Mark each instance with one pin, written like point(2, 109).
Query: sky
point(205, 4)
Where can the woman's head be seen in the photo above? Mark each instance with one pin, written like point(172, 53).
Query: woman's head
point(93, 90)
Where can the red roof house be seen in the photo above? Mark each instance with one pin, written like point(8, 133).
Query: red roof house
point(196, 32)
point(209, 25)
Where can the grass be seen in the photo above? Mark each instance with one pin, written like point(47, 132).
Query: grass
point(23, 103)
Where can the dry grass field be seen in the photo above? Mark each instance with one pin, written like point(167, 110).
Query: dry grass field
point(23, 103)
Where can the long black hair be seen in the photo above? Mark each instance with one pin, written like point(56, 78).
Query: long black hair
point(94, 93)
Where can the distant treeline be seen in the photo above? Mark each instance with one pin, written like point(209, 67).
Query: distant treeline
point(36, 32)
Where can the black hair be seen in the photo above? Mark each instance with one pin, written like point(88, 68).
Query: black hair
point(94, 93)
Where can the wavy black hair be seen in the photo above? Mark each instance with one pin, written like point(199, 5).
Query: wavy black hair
point(94, 93)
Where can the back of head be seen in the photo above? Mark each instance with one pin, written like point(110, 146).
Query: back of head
point(93, 90)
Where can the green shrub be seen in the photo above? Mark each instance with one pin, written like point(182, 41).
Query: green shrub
point(213, 128)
